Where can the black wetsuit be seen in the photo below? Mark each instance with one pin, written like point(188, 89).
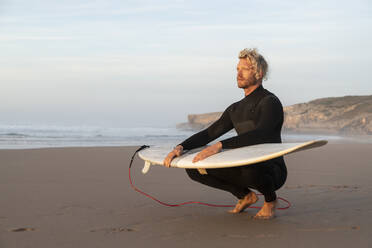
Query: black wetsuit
point(257, 118)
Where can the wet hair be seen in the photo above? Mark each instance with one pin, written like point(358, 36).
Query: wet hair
point(257, 60)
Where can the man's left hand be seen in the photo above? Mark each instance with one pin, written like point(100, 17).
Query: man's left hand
point(209, 151)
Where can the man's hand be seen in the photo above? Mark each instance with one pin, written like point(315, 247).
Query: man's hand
point(177, 151)
point(209, 151)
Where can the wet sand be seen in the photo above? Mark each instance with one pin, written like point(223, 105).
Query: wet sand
point(81, 197)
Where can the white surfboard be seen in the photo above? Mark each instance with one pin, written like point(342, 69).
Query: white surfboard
point(227, 157)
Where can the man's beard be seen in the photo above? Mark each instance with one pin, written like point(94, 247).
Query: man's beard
point(247, 84)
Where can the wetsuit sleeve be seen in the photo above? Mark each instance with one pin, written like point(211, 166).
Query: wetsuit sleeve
point(268, 126)
point(218, 128)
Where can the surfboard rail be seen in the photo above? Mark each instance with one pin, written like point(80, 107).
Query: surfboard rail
point(227, 157)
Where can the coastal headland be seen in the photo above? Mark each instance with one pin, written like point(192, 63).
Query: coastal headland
point(348, 115)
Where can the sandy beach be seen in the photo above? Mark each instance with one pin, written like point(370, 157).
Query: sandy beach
point(81, 197)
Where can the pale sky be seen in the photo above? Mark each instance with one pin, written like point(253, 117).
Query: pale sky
point(150, 63)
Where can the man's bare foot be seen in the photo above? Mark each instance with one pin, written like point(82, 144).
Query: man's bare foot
point(267, 211)
point(249, 199)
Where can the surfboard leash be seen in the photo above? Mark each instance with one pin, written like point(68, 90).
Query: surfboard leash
point(188, 202)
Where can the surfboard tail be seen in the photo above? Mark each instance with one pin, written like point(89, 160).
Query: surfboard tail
point(146, 167)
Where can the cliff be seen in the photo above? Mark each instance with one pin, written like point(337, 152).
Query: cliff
point(199, 121)
point(351, 115)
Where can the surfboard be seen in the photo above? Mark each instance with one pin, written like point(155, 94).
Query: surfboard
point(225, 158)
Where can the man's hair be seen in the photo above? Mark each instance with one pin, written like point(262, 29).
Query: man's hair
point(257, 60)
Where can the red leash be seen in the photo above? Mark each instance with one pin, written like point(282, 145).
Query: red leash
point(189, 202)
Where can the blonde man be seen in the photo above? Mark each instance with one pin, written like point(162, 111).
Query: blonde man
point(257, 119)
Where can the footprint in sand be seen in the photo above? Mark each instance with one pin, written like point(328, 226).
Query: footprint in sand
point(329, 187)
point(22, 229)
point(345, 187)
point(115, 230)
point(236, 236)
point(329, 229)
point(242, 236)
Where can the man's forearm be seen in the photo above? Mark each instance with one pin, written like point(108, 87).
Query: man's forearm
point(199, 139)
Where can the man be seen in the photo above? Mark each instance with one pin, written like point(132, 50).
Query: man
point(257, 118)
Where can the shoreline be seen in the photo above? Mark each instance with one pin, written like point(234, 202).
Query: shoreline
point(60, 136)
point(287, 138)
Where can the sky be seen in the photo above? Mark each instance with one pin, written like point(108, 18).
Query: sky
point(151, 63)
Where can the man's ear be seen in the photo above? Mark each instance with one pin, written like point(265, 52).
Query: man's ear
point(259, 75)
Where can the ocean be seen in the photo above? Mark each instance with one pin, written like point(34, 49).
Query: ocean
point(17, 136)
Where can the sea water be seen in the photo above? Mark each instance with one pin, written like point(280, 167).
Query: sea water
point(16, 136)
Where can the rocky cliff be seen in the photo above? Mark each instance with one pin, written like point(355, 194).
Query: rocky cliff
point(199, 121)
point(337, 115)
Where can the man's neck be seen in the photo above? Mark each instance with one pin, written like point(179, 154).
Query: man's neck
point(250, 89)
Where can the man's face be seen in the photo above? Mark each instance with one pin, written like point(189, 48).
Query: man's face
point(246, 75)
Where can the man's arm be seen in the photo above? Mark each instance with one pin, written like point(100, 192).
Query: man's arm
point(269, 124)
point(218, 128)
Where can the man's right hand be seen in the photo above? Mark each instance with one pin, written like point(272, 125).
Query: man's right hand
point(177, 151)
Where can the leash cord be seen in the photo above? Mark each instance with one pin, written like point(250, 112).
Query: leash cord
point(188, 202)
